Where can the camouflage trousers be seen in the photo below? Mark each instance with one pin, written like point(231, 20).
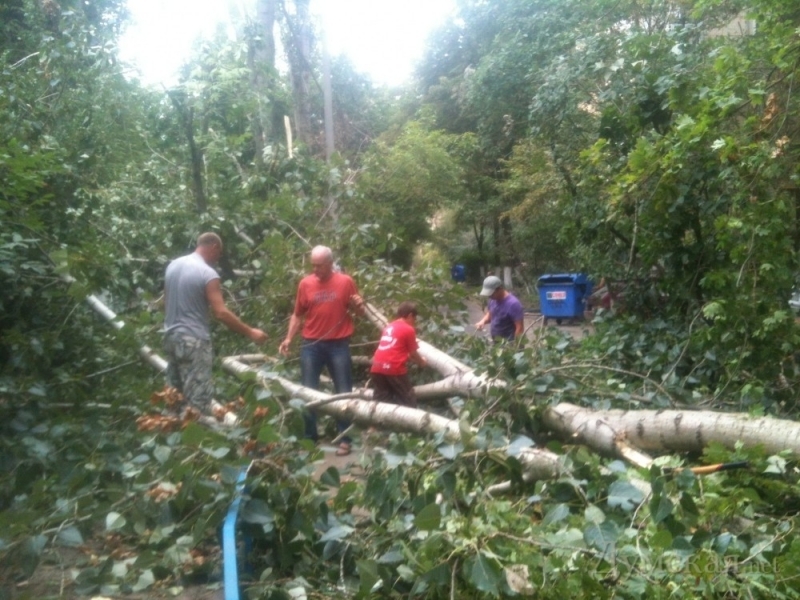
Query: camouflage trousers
point(189, 369)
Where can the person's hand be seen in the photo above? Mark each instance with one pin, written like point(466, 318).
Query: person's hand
point(480, 325)
point(258, 336)
point(284, 347)
point(357, 302)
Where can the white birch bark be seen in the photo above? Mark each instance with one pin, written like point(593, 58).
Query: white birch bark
point(538, 463)
point(146, 352)
point(674, 430)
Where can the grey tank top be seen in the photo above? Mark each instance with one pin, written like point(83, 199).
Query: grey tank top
point(186, 303)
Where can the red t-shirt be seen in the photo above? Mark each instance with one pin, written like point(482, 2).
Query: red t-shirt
point(325, 306)
point(398, 340)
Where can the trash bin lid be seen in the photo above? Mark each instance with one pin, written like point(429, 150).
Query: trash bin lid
point(556, 278)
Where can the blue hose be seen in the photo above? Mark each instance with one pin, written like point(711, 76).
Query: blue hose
point(229, 563)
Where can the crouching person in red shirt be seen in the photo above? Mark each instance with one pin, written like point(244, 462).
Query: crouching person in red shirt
point(398, 345)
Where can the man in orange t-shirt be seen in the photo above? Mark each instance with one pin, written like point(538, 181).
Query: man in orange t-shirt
point(398, 345)
point(322, 308)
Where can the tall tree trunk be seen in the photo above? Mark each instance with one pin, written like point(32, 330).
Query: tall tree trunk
point(299, 43)
point(261, 62)
point(186, 114)
point(496, 258)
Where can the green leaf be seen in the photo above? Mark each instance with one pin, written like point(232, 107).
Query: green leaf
point(330, 477)
point(162, 453)
point(722, 541)
point(339, 532)
point(438, 575)
point(688, 505)
point(197, 435)
point(624, 495)
point(30, 554)
point(392, 557)
point(267, 434)
point(558, 513)
point(428, 518)
point(115, 521)
point(594, 514)
point(662, 539)
point(518, 445)
point(70, 536)
point(484, 573)
point(661, 508)
point(258, 512)
point(146, 579)
point(602, 536)
point(776, 464)
point(450, 451)
point(217, 453)
point(230, 474)
point(368, 576)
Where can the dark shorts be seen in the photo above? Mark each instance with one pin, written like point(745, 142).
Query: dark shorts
point(396, 389)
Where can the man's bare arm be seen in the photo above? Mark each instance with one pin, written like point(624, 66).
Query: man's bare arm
point(223, 314)
point(519, 327)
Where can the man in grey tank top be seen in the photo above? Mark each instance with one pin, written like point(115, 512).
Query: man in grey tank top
point(192, 289)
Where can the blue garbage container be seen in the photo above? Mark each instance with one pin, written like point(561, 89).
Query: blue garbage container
point(563, 295)
point(459, 273)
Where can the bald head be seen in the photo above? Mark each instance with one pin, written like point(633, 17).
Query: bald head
point(322, 262)
point(322, 253)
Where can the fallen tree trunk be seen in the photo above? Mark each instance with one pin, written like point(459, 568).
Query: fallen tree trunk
point(459, 384)
point(146, 352)
point(538, 463)
point(673, 430)
point(622, 433)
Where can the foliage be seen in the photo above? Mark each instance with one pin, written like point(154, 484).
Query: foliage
point(535, 195)
point(61, 117)
point(421, 523)
point(412, 169)
point(625, 138)
point(654, 141)
point(694, 204)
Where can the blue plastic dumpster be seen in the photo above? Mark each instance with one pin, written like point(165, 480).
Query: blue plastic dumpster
point(458, 273)
point(563, 296)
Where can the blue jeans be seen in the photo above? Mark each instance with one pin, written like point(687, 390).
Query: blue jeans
point(335, 355)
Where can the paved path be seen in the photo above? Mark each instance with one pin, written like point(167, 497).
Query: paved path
point(534, 322)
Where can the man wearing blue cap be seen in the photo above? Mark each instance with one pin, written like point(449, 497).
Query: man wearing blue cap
point(505, 312)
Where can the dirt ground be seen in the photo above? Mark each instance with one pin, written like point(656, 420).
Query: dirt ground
point(534, 322)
